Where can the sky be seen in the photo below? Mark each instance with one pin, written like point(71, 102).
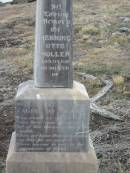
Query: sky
point(5, 1)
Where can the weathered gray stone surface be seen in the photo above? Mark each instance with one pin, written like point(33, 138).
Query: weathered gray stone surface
point(41, 162)
point(52, 120)
point(53, 48)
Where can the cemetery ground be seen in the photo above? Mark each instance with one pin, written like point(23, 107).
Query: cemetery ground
point(101, 48)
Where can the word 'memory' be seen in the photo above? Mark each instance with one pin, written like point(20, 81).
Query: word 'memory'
point(56, 22)
point(57, 38)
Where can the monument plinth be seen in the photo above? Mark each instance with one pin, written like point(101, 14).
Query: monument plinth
point(52, 111)
point(52, 120)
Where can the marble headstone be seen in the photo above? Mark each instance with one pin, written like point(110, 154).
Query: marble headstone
point(53, 50)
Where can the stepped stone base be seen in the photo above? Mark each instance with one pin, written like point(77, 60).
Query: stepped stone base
point(53, 162)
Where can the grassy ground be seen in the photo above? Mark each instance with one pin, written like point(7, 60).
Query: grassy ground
point(106, 51)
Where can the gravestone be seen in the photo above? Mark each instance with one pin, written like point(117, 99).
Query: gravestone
point(52, 111)
point(53, 51)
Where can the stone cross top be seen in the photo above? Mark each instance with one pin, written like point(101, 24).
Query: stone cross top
point(53, 47)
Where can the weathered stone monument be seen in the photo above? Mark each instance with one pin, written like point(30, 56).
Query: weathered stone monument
point(52, 112)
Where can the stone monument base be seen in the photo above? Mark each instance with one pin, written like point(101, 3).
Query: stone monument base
point(52, 119)
point(52, 162)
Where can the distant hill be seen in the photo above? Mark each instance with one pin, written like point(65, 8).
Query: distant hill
point(5, 3)
point(22, 1)
point(1, 4)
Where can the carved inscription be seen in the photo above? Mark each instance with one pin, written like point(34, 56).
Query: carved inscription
point(56, 54)
point(41, 127)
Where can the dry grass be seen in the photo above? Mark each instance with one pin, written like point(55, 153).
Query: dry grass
point(25, 62)
point(119, 40)
point(17, 52)
point(92, 30)
point(118, 80)
point(107, 51)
